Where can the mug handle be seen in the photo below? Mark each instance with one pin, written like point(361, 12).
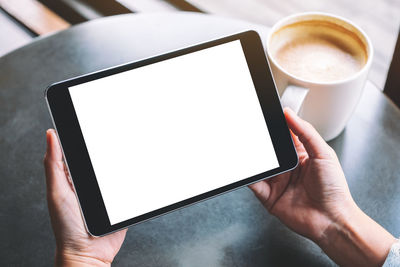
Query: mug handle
point(293, 97)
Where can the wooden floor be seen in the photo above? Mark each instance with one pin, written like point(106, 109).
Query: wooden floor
point(379, 19)
point(12, 35)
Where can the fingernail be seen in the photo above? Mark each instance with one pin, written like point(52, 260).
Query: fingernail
point(47, 139)
point(292, 113)
point(289, 110)
point(48, 133)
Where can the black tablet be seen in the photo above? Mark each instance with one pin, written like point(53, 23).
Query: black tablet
point(149, 137)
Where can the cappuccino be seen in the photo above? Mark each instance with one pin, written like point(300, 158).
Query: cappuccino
point(318, 51)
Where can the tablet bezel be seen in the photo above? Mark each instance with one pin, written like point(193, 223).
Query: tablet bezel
point(78, 161)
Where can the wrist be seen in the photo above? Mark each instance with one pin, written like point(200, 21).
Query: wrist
point(339, 224)
point(354, 239)
point(66, 259)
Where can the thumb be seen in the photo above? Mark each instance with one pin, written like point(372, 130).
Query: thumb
point(308, 136)
point(56, 179)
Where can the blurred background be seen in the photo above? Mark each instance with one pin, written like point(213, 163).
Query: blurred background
point(23, 20)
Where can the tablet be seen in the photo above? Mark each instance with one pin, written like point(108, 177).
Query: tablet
point(149, 137)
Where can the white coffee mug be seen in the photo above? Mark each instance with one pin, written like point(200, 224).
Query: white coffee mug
point(326, 105)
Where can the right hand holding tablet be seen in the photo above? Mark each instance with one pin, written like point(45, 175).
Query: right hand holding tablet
point(314, 200)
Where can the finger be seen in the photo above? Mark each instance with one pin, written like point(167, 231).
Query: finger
point(298, 145)
point(53, 150)
point(56, 179)
point(262, 191)
point(308, 136)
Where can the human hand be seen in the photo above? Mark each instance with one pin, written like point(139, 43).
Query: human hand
point(75, 247)
point(314, 200)
point(308, 198)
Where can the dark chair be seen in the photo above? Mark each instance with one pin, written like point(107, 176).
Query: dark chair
point(392, 86)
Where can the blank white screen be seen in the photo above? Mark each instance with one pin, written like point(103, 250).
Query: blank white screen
point(168, 131)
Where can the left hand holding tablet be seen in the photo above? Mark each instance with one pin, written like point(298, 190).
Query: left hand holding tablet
point(75, 247)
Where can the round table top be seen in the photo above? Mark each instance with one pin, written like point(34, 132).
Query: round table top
point(230, 230)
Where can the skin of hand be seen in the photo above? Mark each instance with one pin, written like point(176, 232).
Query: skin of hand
point(74, 246)
point(314, 200)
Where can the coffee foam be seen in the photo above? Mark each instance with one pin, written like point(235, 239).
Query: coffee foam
point(318, 51)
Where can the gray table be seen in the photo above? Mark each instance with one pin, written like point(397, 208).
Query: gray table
point(230, 230)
